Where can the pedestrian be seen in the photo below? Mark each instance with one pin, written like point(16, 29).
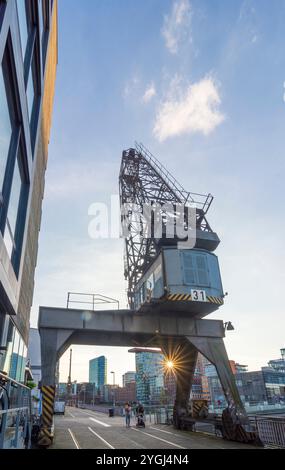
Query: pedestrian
point(128, 410)
point(140, 415)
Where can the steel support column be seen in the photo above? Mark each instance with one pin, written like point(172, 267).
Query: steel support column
point(214, 350)
point(184, 357)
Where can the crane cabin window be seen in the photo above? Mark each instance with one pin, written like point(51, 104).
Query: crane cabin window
point(189, 269)
point(195, 268)
point(202, 270)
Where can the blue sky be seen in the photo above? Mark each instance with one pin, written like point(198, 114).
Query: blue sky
point(201, 84)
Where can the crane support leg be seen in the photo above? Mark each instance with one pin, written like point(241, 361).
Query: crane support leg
point(184, 357)
point(214, 350)
point(235, 422)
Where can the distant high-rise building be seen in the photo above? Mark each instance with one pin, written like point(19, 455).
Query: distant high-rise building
point(204, 392)
point(28, 61)
point(278, 364)
point(129, 377)
point(264, 386)
point(34, 354)
point(237, 368)
point(98, 371)
point(170, 387)
point(149, 375)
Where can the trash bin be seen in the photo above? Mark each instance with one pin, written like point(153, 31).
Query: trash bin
point(111, 412)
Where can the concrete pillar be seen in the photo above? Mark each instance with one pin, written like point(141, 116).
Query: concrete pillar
point(54, 343)
point(49, 358)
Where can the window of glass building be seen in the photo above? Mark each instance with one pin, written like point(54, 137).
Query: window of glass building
point(13, 210)
point(25, 352)
point(46, 19)
point(23, 25)
point(31, 89)
point(15, 355)
point(9, 348)
point(41, 13)
point(14, 181)
point(5, 130)
point(20, 361)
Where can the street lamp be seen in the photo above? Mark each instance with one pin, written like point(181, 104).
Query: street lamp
point(228, 326)
point(93, 394)
point(114, 403)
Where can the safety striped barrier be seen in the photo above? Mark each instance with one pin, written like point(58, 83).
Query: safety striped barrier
point(48, 397)
point(188, 297)
point(199, 407)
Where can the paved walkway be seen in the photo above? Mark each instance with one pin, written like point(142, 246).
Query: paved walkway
point(85, 429)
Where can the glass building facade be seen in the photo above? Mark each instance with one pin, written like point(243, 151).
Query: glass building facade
point(266, 386)
point(149, 376)
point(98, 372)
point(28, 60)
point(129, 377)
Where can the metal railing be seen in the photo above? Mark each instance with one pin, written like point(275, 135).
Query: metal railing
point(89, 299)
point(153, 414)
point(270, 430)
point(15, 414)
point(253, 408)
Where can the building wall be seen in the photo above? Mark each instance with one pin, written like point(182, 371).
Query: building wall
point(41, 157)
point(129, 377)
point(125, 394)
point(34, 354)
point(257, 387)
point(29, 83)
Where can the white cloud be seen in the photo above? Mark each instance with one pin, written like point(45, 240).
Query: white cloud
point(177, 26)
point(150, 92)
point(247, 23)
point(189, 110)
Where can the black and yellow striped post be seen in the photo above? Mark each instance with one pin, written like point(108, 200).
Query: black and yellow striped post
point(48, 397)
point(199, 408)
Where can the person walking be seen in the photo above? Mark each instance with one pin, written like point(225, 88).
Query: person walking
point(128, 410)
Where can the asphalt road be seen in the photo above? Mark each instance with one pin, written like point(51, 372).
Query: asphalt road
point(85, 429)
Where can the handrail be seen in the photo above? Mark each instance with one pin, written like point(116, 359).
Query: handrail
point(97, 299)
point(9, 379)
point(16, 402)
point(14, 410)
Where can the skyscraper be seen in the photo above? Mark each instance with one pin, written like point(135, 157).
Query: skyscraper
point(149, 375)
point(129, 377)
point(98, 371)
point(28, 60)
